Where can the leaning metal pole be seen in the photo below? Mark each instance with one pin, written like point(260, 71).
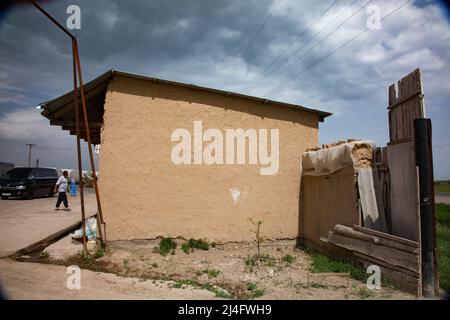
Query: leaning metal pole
point(80, 169)
point(77, 67)
point(88, 136)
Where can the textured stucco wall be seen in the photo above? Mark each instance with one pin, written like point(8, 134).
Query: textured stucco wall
point(328, 200)
point(144, 195)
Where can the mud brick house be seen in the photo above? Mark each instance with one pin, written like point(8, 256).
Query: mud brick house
point(187, 161)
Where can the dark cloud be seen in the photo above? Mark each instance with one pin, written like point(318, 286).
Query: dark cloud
point(203, 41)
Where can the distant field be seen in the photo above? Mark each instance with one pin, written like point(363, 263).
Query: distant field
point(442, 186)
point(443, 244)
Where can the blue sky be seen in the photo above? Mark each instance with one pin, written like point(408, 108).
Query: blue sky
point(261, 47)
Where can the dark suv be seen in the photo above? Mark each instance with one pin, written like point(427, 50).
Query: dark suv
point(28, 182)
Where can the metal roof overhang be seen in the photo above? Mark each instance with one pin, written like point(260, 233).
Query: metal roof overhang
point(61, 111)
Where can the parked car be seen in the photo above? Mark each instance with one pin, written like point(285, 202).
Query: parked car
point(28, 183)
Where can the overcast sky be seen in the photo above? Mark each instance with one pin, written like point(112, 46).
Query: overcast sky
point(268, 48)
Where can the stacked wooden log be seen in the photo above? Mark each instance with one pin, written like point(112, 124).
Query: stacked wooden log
point(398, 258)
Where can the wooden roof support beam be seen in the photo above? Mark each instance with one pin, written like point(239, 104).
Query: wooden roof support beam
point(65, 123)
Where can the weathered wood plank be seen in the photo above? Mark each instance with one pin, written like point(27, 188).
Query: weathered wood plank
point(390, 255)
point(402, 280)
point(383, 241)
point(371, 217)
point(403, 190)
point(405, 105)
point(413, 244)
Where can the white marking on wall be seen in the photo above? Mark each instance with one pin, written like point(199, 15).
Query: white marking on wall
point(235, 193)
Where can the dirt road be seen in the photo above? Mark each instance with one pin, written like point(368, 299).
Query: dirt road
point(23, 280)
point(24, 222)
point(442, 197)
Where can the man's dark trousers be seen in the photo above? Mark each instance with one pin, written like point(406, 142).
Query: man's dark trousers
point(62, 197)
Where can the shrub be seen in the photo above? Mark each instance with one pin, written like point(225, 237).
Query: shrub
point(193, 244)
point(99, 253)
point(288, 258)
point(166, 245)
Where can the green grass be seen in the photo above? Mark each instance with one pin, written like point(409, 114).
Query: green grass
point(321, 263)
point(255, 292)
point(212, 273)
point(443, 244)
point(220, 293)
point(44, 255)
point(365, 293)
point(99, 253)
point(263, 260)
point(193, 244)
point(288, 258)
point(317, 285)
point(166, 246)
point(442, 186)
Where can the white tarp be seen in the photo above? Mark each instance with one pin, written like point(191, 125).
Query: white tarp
point(327, 161)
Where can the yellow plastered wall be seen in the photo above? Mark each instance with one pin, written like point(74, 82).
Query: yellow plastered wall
point(144, 195)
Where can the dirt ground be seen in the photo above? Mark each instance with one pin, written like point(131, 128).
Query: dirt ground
point(25, 222)
point(223, 271)
point(36, 281)
point(132, 270)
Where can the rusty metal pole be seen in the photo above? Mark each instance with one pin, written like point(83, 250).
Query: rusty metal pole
point(88, 136)
point(77, 67)
point(80, 168)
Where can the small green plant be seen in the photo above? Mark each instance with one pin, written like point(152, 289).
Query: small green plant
point(288, 258)
point(219, 292)
point(257, 233)
point(365, 293)
point(255, 292)
point(317, 285)
point(321, 263)
point(99, 253)
point(166, 246)
point(185, 248)
point(263, 260)
point(44, 255)
point(85, 258)
point(212, 273)
point(193, 244)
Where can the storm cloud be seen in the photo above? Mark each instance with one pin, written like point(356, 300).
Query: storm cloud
point(229, 45)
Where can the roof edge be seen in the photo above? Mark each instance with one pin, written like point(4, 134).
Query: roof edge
point(108, 75)
point(322, 114)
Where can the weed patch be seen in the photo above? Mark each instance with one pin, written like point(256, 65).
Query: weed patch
point(212, 273)
point(193, 244)
point(219, 292)
point(255, 292)
point(365, 293)
point(321, 263)
point(288, 259)
point(166, 246)
point(99, 253)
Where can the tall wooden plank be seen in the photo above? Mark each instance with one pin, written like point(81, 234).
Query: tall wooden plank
point(372, 217)
point(403, 190)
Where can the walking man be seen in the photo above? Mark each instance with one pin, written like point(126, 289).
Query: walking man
point(61, 187)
